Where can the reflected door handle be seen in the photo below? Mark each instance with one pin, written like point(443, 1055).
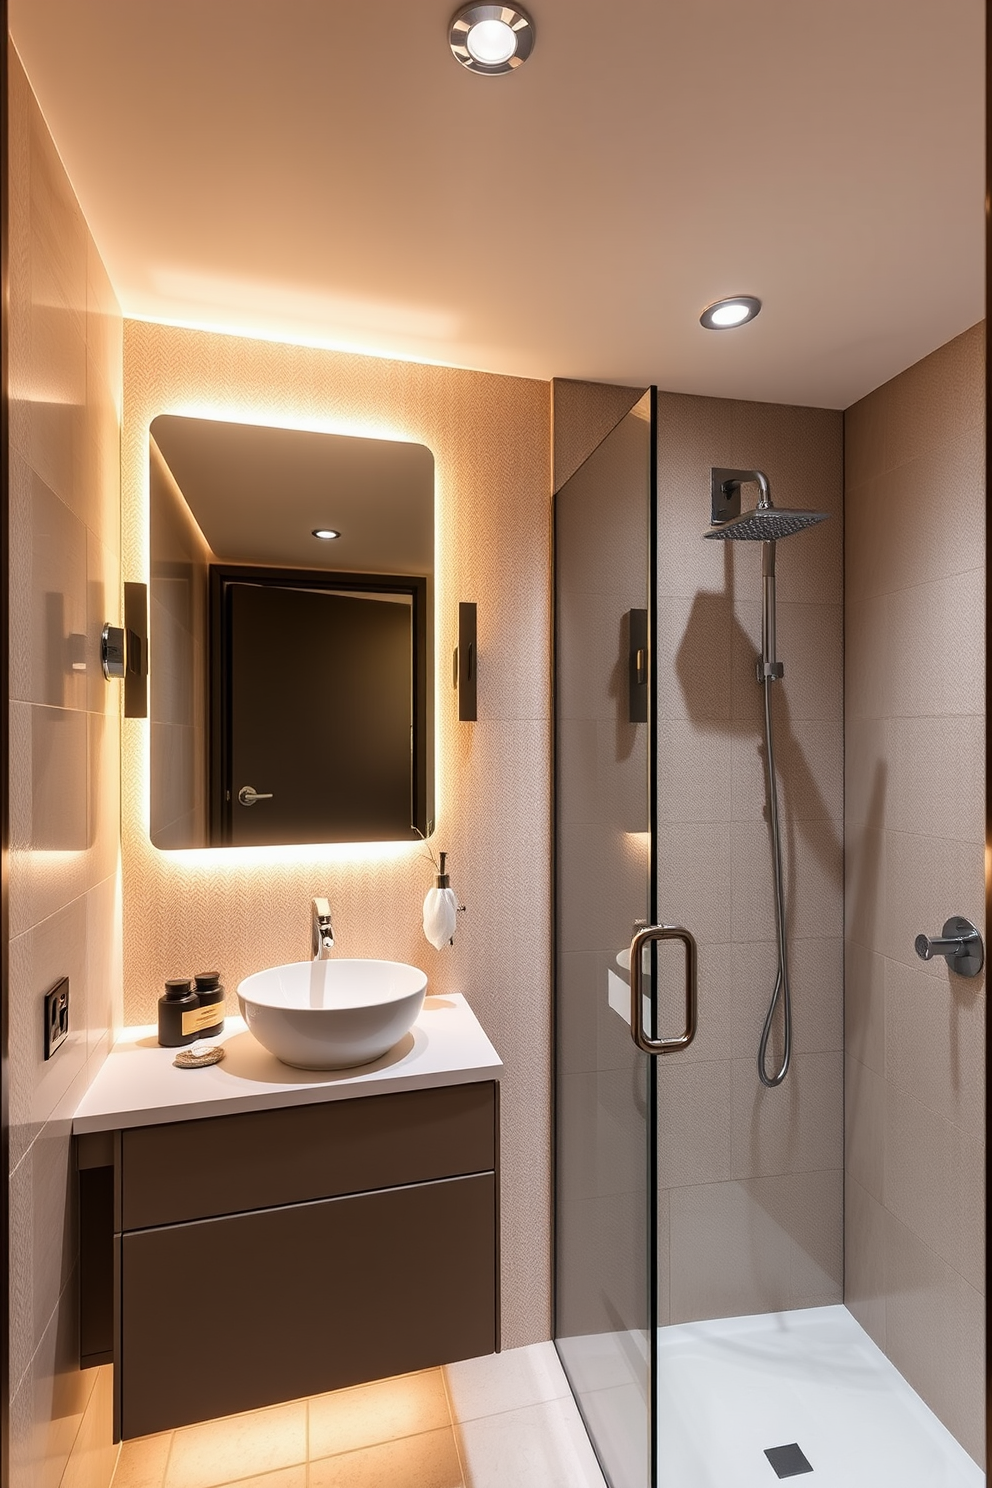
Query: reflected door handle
point(248, 795)
point(637, 1030)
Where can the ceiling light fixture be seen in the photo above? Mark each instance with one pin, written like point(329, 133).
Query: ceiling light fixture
point(326, 534)
point(737, 310)
point(491, 38)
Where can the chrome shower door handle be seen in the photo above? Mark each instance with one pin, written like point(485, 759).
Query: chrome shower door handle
point(637, 1031)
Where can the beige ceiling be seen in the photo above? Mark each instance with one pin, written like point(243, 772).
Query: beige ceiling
point(323, 170)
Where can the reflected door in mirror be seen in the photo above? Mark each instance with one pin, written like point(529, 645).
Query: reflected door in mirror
point(314, 719)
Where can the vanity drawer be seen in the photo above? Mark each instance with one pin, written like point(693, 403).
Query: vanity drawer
point(231, 1314)
point(221, 1165)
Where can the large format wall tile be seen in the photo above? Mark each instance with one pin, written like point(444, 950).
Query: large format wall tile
point(65, 364)
point(915, 803)
point(744, 1168)
point(240, 912)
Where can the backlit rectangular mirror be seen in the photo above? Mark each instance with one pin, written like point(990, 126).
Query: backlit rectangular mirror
point(290, 674)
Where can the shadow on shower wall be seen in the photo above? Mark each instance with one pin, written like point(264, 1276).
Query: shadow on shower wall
point(751, 1184)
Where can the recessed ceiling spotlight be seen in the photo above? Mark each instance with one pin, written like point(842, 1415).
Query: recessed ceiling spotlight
point(735, 311)
point(326, 534)
point(491, 38)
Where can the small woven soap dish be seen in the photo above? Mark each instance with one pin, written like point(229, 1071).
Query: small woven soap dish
point(198, 1056)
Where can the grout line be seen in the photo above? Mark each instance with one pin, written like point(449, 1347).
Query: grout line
point(168, 1459)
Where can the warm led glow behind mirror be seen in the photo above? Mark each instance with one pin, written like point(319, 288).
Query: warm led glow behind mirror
point(303, 666)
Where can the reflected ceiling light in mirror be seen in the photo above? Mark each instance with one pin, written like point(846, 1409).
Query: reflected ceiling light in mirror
point(491, 38)
point(723, 315)
point(326, 534)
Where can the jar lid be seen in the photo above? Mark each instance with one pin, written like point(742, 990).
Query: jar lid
point(206, 980)
point(178, 987)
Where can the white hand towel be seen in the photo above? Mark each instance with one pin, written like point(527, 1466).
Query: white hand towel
point(440, 916)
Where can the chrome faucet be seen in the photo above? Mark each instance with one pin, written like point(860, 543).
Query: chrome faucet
point(321, 930)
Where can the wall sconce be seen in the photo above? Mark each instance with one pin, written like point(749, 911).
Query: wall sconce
point(124, 651)
point(466, 663)
point(637, 665)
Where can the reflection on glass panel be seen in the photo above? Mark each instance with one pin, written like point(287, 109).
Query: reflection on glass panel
point(605, 1122)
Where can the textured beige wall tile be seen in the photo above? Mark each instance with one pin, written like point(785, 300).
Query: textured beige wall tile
point(695, 774)
point(733, 1245)
point(864, 1258)
point(809, 760)
point(593, 1292)
point(48, 595)
point(935, 1041)
point(864, 1005)
point(695, 649)
point(934, 1182)
point(490, 439)
point(927, 625)
point(815, 972)
point(795, 1128)
point(934, 1333)
point(864, 1126)
point(606, 1155)
point(582, 415)
point(715, 866)
point(38, 959)
point(936, 777)
point(928, 879)
point(868, 657)
point(722, 988)
point(915, 831)
point(693, 863)
point(694, 1123)
point(65, 773)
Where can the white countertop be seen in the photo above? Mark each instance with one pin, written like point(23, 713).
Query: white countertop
point(140, 1086)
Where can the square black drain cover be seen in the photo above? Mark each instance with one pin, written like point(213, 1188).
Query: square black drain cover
point(788, 1462)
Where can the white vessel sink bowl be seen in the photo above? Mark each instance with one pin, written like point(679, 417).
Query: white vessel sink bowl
point(332, 1014)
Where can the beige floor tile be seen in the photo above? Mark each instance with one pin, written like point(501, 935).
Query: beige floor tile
point(371, 1414)
point(502, 1382)
point(429, 1460)
point(543, 1446)
point(143, 1461)
point(286, 1477)
point(238, 1447)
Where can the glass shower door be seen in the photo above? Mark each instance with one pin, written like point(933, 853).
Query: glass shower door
point(605, 1310)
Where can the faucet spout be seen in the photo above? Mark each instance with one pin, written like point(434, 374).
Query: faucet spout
point(321, 930)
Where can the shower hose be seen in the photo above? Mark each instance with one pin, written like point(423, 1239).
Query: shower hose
point(781, 992)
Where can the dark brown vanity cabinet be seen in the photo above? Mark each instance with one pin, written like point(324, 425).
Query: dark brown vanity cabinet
point(236, 1261)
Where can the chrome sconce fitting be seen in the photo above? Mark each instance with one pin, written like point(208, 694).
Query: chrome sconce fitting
point(112, 652)
point(124, 651)
point(465, 668)
point(960, 944)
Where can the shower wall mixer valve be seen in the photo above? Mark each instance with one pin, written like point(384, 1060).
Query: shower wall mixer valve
point(960, 944)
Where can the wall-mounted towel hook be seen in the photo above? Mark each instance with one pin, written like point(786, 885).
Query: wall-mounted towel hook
point(960, 943)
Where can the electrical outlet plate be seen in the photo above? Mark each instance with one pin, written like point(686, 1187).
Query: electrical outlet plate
point(56, 1016)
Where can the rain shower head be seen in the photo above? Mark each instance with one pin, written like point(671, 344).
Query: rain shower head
point(766, 523)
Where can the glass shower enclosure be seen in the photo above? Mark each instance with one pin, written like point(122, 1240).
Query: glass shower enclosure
point(605, 1302)
point(717, 1322)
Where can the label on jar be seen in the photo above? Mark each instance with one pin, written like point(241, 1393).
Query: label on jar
point(203, 1017)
